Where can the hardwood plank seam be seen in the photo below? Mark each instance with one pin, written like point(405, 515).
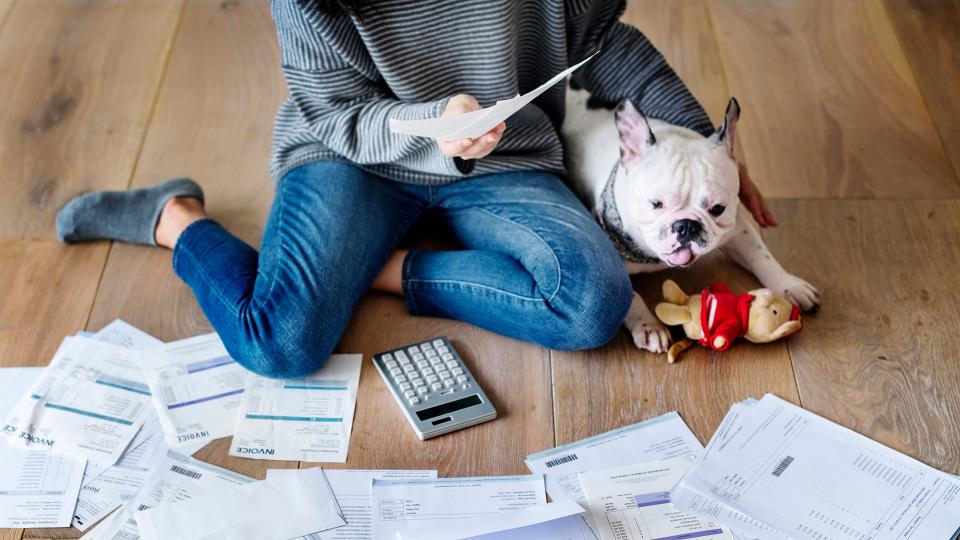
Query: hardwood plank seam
point(923, 97)
point(161, 77)
point(158, 87)
point(553, 401)
point(6, 16)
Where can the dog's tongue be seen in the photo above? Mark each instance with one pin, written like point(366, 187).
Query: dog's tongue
point(680, 257)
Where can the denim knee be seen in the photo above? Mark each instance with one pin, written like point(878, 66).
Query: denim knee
point(296, 351)
point(604, 298)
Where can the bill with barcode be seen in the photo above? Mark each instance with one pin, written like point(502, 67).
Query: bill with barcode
point(783, 465)
point(661, 437)
point(176, 478)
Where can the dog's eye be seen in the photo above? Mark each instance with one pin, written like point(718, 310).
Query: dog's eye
point(717, 209)
point(656, 204)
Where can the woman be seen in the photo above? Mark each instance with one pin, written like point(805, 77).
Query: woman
point(534, 263)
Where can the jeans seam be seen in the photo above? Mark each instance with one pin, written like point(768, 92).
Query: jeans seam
point(210, 286)
point(405, 281)
point(553, 254)
point(474, 286)
point(255, 307)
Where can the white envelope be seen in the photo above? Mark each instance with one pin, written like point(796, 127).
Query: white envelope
point(282, 507)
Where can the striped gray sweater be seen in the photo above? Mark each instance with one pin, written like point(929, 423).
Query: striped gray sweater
point(348, 75)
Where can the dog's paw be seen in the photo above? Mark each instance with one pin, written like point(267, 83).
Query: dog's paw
point(798, 291)
point(649, 335)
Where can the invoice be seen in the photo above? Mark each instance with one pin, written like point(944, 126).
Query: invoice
point(306, 419)
point(196, 389)
point(37, 488)
point(90, 403)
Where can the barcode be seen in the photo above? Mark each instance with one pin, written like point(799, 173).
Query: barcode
point(783, 465)
point(186, 472)
point(561, 460)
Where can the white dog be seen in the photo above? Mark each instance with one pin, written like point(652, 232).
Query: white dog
point(666, 195)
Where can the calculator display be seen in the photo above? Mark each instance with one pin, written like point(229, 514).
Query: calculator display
point(449, 407)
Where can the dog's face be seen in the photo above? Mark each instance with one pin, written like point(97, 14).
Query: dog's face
point(680, 190)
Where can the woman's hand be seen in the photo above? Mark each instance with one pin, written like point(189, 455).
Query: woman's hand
point(469, 148)
point(753, 200)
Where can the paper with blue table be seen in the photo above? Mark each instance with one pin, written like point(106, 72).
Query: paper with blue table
point(90, 402)
point(37, 488)
point(196, 387)
point(476, 123)
point(304, 419)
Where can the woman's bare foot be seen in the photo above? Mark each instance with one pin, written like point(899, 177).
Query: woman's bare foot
point(177, 214)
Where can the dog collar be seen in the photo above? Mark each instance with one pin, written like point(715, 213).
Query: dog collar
point(609, 218)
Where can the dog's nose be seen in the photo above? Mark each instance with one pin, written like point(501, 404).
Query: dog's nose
point(687, 230)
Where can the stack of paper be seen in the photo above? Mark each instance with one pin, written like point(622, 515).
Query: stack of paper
point(623, 479)
point(774, 470)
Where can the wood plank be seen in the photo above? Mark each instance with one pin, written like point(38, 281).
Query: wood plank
point(681, 30)
point(47, 291)
point(881, 356)
point(929, 32)
point(515, 375)
point(10, 534)
point(213, 121)
point(596, 391)
point(5, 6)
point(828, 101)
point(76, 101)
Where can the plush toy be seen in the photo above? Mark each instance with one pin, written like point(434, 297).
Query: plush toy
point(717, 316)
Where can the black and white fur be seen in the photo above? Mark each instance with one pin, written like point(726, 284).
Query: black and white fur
point(666, 195)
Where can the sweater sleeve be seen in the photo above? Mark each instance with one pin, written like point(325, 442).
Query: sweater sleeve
point(630, 67)
point(342, 104)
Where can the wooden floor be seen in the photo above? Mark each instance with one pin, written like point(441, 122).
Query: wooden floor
point(851, 126)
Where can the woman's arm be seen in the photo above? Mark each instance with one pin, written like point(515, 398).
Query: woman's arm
point(630, 67)
point(348, 109)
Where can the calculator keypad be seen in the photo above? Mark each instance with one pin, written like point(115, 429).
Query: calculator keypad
point(425, 370)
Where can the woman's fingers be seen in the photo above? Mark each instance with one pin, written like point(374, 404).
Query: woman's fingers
point(473, 148)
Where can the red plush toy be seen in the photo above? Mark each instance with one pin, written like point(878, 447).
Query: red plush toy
point(717, 316)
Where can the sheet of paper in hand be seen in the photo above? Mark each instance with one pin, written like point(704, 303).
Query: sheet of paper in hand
point(476, 123)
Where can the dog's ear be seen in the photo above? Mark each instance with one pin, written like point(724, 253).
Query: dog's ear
point(636, 138)
point(726, 134)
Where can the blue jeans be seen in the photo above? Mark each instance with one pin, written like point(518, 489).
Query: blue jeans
point(534, 265)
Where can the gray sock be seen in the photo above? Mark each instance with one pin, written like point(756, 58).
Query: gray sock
point(128, 216)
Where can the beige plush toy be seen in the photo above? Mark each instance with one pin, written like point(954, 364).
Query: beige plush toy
point(717, 316)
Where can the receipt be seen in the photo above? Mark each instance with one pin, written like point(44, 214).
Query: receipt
point(90, 402)
point(196, 389)
point(305, 419)
point(661, 437)
point(476, 123)
point(415, 508)
point(633, 503)
point(176, 478)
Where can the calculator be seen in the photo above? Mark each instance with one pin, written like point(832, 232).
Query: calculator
point(434, 388)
